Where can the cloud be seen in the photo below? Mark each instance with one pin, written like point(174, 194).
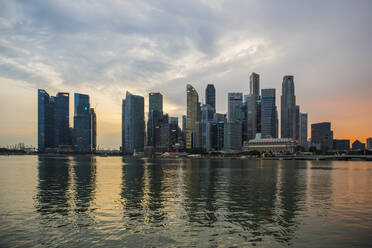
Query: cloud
point(107, 47)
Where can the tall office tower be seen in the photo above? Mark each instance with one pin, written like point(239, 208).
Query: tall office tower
point(207, 118)
point(268, 118)
point(302, 141)
point(133, 123)
point(93, 130)
point(276, 128)
point(254, 84)
point(210, 96)
point(322, 135)
point(251, 116)
point(220, 135)
point(81, 123)
point(155, 117)
point(233, 136)
point(297, 129)
point(61, 119)
point(234, 103)
point(184, 127)
point(288, 108)
point(45, 121)
point(369, 143)
point(192, 103)
point(173, 120)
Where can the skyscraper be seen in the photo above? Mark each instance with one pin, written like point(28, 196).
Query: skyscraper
point(303, 130)
point(297, 128)
point(254, 84)
point(210, 96)
point(61, 120)
point(207, 119)
point(82, 128)
point(234, 103)
point(251, 116)
point(288, 108)
point(369, 143)
point(192, 102)
point(268, 118)
point(45, 121)
point(133, 124)
point(155, 118)
point(93, 130)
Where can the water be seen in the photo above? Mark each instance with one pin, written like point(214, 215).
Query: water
point(85, 201)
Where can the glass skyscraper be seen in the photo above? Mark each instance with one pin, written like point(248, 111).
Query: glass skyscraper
point(192, 105)
point(133, 124)
point(45, 121)
point(82, 129)
point(155, 118)
point(268, 115)
point(61, 119)
point(210, 96)
point(288, 108)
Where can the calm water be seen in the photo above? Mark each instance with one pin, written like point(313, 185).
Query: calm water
point(88, 201)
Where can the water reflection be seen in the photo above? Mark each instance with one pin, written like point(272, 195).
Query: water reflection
point(54, 183)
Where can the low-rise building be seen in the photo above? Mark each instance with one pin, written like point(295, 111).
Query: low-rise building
point(274, 145)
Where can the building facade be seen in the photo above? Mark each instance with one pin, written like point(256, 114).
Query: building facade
point(268, 114)
point(369, 143)
point(133, 124)
point(254, 84)
point(233, 136)
point(234, 104)
point(93, 130)
point(210, 96)
point(82, 129)
point(155, 118)
point(192, 102)
point(45, 121)
point(302, 141)
point(288, 108)
point(341, 144)
point(322, 135)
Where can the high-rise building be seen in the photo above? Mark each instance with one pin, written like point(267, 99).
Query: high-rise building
point(302, 141)
point(93, 130)
point(233, 136)
point(155, 118)
point(268, 113)
point(234, 103)
point(192, 105)
point(45, 121)
point(288, 108)
point(207, 119)
point(297, 129)
point(254, 84)
point(133, 124)
point(369, 143)
point(155, 101)
point(251, 116)
point(82, 128)
point(322, 135)
point(61, 120)
point(210, 96)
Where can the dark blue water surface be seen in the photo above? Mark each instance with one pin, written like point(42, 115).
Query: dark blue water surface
point(87, 201)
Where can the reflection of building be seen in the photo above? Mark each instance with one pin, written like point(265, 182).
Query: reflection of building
point(357, 145)
point(133, 124)
point(288, 108)
point(322, 135)
point(341, 144)
point(282, 145)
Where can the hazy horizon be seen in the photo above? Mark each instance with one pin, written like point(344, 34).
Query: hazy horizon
point(106, 48)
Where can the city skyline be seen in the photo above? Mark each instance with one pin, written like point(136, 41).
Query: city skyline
point(326, 49)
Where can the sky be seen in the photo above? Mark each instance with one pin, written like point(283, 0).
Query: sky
point(105, 48)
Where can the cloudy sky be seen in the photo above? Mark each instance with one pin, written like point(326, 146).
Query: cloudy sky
point(104, 48)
